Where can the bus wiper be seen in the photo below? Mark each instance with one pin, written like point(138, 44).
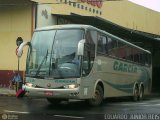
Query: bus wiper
point(45, 57)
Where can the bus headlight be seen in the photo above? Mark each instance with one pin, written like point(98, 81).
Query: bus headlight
point(29, 84)
point(72, 86)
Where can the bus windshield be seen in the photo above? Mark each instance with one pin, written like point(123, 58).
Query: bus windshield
point(54, 53)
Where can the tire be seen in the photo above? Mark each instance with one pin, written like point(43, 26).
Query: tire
point(54, 101)
point(135, 93)
point(141, 93)
point(98, 97)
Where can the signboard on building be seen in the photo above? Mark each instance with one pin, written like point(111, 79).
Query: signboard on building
point(97, 3)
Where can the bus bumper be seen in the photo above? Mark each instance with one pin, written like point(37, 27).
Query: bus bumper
point(52, 93)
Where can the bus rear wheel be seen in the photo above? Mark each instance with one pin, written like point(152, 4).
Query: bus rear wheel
point(135, 93)
point(98, 97)
point(141, 93)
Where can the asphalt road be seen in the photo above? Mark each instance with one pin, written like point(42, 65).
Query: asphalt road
point(112, 109)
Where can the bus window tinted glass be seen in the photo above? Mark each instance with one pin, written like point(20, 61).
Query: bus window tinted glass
point(121, 50)
point(112, 46)
point(89, 52)
point(65, 62)
point(102, 44)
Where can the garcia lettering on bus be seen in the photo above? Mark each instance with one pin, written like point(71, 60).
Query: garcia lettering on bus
point(124, 67)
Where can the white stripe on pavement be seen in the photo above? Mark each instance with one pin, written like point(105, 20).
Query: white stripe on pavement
point(9, 111)
point(69, 116)
point(139, 104)
point(152, 105)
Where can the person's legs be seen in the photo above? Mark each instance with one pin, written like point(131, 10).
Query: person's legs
point(17, 86)
point(10, 84)
point(20, 85)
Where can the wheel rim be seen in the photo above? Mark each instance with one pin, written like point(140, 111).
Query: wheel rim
point(141, 93)
point(136, 94)
point(97, 97)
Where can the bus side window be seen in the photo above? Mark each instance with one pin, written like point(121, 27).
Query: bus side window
point(136, 58)
point(129, 53)
point(145, 59)
point(89, 52)
point(121, 50)
point(149, 59)
point(102, 44)
point(112, 47)
point(136, 55)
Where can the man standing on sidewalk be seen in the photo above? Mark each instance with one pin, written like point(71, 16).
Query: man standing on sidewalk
point(18, 81)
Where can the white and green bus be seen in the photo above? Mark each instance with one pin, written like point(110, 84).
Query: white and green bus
point(83, 62)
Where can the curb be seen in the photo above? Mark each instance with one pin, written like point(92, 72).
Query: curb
point(7, 94)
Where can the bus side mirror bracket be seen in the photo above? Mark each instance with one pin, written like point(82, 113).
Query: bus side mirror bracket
point(80, 50)
point(20, 49)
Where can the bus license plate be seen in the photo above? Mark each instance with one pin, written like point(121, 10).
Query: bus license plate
point(48, 93)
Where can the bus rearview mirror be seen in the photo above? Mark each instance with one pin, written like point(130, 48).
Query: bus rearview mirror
point(81, 47)
point(19, 41)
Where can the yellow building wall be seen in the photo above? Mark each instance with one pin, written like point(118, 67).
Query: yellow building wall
point(123, 13)
point(15, 21)
point(132, 16)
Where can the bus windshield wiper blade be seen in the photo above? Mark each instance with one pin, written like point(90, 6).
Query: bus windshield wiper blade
point(38, 70)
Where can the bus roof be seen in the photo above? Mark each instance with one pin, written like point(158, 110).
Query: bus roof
point(82, 26)
point(66, 26)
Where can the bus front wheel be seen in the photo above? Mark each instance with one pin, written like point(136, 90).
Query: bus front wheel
point(98, 97)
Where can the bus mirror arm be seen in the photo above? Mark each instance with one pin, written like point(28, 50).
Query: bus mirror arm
point(20, 49)
point(80, 50)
